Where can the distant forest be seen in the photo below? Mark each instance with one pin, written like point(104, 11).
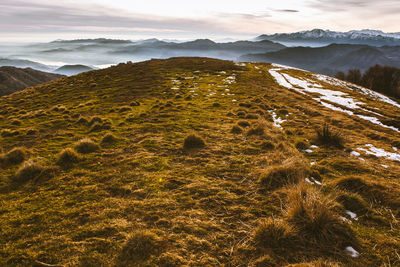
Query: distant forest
point(382, 79)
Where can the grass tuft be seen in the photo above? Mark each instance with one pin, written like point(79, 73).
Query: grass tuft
point(314, 217)
point(291, 171)
point(327, 136)
point(14, 156)
point(67, 157)
point(273, 233)
point(86, 146)
point(29, 171)
point(140, 246)
point(193, 141)
point(109, 138)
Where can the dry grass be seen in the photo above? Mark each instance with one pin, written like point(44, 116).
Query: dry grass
point(86, 146)
point(314, 217)
point(139, 247)
point(274, 234)
point(327, 136)
point(14, 156)
point(193, 141)
point(290, 171)
point(29, 171)
point(68, 157)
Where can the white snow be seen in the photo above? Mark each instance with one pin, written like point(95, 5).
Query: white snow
point(279, 78)
point(352, 215)
point(352, 252)
point(355, 153)
point(308, 151)
point(314, 147)
point(380, 153)
point(277, 121)
point(330, 96)
point(385, 166)
point(394, 148)
point(351, 86)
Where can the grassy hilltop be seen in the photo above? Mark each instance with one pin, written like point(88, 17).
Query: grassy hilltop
point(196, 162)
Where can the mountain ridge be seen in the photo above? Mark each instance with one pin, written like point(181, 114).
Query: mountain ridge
point(199, 161)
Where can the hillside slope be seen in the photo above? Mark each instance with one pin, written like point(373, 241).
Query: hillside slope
point(254, 186)
point(14, 79)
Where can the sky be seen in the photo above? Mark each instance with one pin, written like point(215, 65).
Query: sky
point(40, 20)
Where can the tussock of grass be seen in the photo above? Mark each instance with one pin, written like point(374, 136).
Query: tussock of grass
point(14, 156)
point(236, 130)
point(314, 217)
point(95, 119)
point(243, 123)
point(327, 136)
point(29, 171)
point(301, 145)
point(193, 141)
point(86, 146)
point(67, 157)
point(109, 138)
point(273, 233)
point(139, 247)
point(82, 120)
point(291, 171)
point(353, 202)
point(258, 129)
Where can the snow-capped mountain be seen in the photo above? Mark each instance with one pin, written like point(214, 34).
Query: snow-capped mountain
point(318, 37)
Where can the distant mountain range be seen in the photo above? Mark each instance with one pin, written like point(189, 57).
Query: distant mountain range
point(332, 58)
point(318, 37)
point(317, 50)
point(70, 70)
point(15, 79)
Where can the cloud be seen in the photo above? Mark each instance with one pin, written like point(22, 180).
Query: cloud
point(349, 6)
point(287, 10)
point(19, 15)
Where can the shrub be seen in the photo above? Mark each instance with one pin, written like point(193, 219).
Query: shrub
point(14, 156)
point(85, 146)
point(109, 138)
point(273, 233)
point(314, 218)
point(67, 157)
point(326, 136)
point(193, 141)
point(28, 171)
point(291, 171)
point(236, 130)
point(140, 246)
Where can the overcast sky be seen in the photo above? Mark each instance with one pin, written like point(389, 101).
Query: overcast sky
point(34, 20)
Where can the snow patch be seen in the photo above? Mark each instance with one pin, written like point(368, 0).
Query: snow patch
point(380, 153)
point(352, 252)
